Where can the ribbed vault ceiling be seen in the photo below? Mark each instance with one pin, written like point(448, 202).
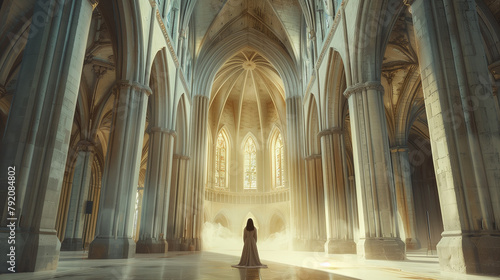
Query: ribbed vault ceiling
point(247, 88)
point(278, 20)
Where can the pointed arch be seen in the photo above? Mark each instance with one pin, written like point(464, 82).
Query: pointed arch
point(374, 23)
point(335, 85)
point(278, 163)
point(245, 139)
point(313, 127)
point(161, 103)
point(181, 127)
point(221, 219)
point(222, 147)
point(212, 57)
point(250, 162)
point(490, 30)
point(125, 25)
point(411, 105)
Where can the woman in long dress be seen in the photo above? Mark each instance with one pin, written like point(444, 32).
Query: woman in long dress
point(250, 255)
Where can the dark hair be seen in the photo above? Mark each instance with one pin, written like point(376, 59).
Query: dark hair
point(250, 226)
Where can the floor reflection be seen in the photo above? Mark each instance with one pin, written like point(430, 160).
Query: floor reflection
point(282, 265)
point(249, 273)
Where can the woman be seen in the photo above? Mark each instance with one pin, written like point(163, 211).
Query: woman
point(250, 255)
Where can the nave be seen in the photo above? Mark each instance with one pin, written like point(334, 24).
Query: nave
point(369, 128)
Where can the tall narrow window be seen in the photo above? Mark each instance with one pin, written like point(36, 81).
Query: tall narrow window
point(278, 159)
point(250, 165)
point(279, 162)
point(221, 161)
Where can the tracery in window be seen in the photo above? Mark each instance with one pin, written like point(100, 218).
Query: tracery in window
point(221, 156)
point(250, 165)
point(278, 161)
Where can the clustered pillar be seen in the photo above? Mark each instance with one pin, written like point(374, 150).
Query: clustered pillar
point(296, 179)
point(316, 200)
point(114, 229)
point(78, 198)
point(338, 225)
point(155, 207)
point(36, 142)
point(378, 227)
point(404, 195)
point(464, 133)
point(196, 194)
point(177, 212)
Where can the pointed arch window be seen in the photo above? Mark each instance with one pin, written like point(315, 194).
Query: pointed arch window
point(250, 165)
point(221, 157)
point(278, 152)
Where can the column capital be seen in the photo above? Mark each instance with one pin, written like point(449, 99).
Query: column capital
point(330, 131)
point(199, 96)
point(374, 85)
point(162, 130)
point(295, 97)
point(120, 84)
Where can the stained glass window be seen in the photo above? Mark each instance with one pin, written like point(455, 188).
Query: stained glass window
point(221, 161)
point(250, 165)
point(279, 161)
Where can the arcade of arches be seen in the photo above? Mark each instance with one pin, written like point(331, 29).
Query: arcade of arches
point(366, 127)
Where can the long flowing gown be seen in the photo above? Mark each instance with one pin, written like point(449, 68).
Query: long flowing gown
point(250, 255)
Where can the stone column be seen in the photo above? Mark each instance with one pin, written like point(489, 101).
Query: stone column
point(316, 200)
point(299, 222)
point(181, 229)
point(378, 227)
point(339, 237)
point(78, 198)
point(353, 208)
point(350, 195)
point(464, 133)
point(404, 195)
point(198, 166)
point(154, 216)
point(172, 211)
point(176, 214)
point(115, 220)
point(36, 138)
point(140, 199)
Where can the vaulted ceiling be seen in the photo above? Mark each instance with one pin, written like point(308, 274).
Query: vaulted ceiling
point(247, 95)
point(277, 20)
point(403, 97)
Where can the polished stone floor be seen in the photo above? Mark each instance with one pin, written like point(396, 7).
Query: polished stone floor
point(217, 265)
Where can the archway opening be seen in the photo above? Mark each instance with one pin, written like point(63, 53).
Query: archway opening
point(246, 160)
